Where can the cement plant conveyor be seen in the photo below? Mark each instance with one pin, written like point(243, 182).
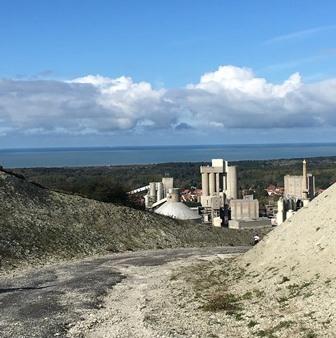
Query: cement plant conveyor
point(138, 190)
point(156, 204)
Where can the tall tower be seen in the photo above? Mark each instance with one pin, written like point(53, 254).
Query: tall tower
point(304, 180)
point(231, 183)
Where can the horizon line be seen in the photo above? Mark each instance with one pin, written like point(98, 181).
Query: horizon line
point(163, 146)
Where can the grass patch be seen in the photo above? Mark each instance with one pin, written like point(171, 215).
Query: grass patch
point(259, 293)
point(296, 289)
point(252, 323)
point(227, 302)
point(283, 299)
point(284, 325)
point(307, 295)
point(310, 314)
point(270, 333)
point(238, 316)
point(284, 280)
point(265, 333)
point(247, 295)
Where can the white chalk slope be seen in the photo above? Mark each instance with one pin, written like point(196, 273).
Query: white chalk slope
point(305, 244)
point(295, 269)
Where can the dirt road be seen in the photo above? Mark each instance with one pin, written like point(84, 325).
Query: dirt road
point(70, 299)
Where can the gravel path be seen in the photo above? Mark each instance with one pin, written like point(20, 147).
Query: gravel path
point(82, 298)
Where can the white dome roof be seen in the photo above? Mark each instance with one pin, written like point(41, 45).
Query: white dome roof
point(177, 210)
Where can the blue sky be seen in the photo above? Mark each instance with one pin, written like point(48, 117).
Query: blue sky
point(169, 45)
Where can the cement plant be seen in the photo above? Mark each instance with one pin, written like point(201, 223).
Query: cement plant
point(219, 202)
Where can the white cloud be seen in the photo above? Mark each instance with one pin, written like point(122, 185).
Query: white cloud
point(241, 81)
point(230, 97)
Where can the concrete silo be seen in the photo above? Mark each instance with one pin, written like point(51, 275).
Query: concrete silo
point(231, 183)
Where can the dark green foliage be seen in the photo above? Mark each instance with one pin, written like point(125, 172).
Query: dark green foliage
point(110, 183)
point(227, 302)
point(284, 280)
point(252, 323)
point(271, 332)
point(311, 334)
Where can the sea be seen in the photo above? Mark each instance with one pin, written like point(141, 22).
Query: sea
point(106, 156)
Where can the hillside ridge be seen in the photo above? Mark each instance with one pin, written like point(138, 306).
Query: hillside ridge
point(37, 224)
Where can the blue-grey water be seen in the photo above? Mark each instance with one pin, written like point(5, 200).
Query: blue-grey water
point(73, 157)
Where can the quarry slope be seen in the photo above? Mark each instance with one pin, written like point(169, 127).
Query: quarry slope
point(303, 246)
point(295, 267)
point(39, 224)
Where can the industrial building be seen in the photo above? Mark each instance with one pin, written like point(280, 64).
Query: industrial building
point(219, 200)
point(174, 208)
point(298, 191)
point(244, 209)
point(245, 214)
point(220, 205)
point(157, 192)
point(218, 180)
point(301, 186)
point(162, 198)
point(219, 183)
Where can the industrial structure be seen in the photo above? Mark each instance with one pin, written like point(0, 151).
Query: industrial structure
point(218, 180)
point(220, 203)
point(162, 198)
point(298, 191)
point(157, 192)
point(300, 186)
point(244, 209)
point(174, 208)
point(219, 200)
point(219, 184)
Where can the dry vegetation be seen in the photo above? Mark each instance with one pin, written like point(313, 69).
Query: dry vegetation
point(37, 224)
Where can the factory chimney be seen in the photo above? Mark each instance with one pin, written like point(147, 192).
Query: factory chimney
point(304, 180)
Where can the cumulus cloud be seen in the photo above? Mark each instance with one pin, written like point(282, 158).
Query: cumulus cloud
point(230, 97)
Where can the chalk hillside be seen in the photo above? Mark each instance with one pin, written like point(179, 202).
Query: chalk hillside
point(41, 224)
point(294, 266)
point(304, 246)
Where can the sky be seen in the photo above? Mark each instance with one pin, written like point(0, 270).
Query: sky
point(129, 72)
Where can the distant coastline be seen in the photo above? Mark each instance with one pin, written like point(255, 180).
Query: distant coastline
point(237, 145)
point(128, 155)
